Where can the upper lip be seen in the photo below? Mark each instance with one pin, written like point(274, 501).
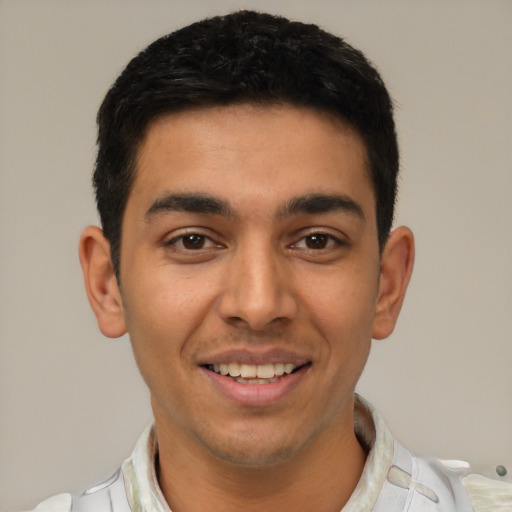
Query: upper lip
point(256, 357)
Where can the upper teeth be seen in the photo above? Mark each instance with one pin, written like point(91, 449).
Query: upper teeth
point(260, 371)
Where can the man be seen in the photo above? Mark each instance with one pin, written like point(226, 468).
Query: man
point(246, 181)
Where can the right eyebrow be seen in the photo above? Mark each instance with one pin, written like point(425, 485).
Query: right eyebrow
point(194, 203)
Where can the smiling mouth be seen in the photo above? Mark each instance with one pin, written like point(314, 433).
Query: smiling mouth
point(254, 373)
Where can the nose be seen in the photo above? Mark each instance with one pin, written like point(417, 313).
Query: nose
point(258, 290)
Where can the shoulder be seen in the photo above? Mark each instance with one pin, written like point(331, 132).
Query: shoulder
point(489, 488)
point(104, 497)
point(409, 482)
point(116, 492)
point(416, 483)
point(58, 503)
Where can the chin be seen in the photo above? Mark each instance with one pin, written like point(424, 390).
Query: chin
point(254, 449)
point(252, 457)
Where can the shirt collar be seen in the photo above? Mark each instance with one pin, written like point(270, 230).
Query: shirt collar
point(144, 493)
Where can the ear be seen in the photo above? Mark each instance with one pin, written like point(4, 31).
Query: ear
point(100, 282)
point(397, 262)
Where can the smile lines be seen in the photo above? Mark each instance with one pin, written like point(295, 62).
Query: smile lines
point(253, 373)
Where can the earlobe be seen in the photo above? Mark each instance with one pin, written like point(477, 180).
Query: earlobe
point(100, 282)
point(397, 262)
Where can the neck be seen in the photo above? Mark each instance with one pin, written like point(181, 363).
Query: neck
point(321, 477)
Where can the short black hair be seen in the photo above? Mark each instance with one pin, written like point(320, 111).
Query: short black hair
point(243, 57)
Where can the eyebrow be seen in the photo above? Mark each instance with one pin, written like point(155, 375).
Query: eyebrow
point(205, 204)
point(194, 203)
point(322, 203)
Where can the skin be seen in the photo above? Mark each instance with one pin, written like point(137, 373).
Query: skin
point(263, 269)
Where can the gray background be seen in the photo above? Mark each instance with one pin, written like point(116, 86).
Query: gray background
point(72, 403)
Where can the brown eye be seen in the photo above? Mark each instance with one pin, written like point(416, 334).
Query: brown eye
point(193, 241)
point(317, 241)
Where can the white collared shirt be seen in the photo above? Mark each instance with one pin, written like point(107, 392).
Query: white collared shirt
point(393, 480)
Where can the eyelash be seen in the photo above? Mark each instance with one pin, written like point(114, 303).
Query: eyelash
point(179, 241)
point(327, 241)
point(330, 241)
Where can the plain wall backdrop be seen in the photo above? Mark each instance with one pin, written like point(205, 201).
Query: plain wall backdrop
point(72, 402)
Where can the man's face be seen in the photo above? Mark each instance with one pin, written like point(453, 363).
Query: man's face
point(250, 246)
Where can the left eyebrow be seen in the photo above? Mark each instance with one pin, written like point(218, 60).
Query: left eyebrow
point(322, 203)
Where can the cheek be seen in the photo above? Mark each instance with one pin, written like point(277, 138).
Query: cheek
point(159, 329)
point(163, 310)
point(344, 305)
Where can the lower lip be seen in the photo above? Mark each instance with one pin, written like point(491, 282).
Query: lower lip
point(256, 395)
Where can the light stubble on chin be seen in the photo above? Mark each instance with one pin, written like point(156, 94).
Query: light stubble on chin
point(247, 448)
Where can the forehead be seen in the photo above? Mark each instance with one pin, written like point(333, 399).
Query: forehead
point(247, 150)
